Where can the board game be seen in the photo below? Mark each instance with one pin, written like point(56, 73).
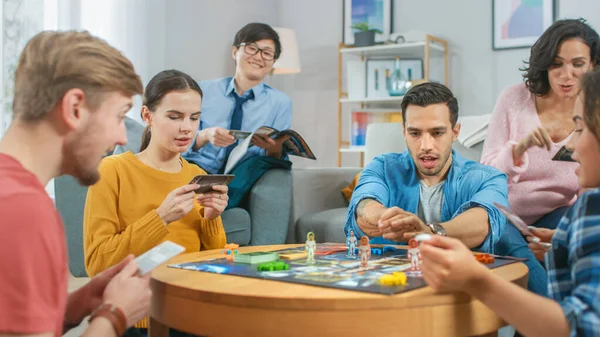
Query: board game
point(332, 268)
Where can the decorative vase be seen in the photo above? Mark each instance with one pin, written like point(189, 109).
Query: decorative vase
point(397, 85)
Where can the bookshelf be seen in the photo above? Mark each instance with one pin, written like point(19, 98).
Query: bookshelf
point(425, 50)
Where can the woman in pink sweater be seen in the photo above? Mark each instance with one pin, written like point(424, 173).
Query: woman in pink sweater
point(532, 121)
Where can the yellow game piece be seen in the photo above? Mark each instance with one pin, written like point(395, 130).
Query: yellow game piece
point(396, 278)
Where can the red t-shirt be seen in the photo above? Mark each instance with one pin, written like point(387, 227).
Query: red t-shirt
point(33, 257)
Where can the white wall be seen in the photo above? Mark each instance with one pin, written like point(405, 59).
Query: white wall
point(200, 33)
point(314, 90)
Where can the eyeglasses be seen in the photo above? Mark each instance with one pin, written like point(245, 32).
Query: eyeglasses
point(252, 49)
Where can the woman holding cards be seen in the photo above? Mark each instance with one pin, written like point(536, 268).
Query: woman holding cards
point(530, 124)
point(532, 121)
point(573, 263)
point(144, 199)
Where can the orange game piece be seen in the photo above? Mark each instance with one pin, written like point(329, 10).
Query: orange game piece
point(230, 250)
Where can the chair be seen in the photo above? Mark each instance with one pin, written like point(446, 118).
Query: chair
point(383, 138)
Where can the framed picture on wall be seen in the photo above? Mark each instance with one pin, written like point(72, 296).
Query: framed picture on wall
point(375, 13)
point(519, 23)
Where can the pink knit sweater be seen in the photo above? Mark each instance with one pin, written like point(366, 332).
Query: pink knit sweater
point(539, 185)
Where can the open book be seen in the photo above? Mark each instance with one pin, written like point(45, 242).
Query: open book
point(295, 146)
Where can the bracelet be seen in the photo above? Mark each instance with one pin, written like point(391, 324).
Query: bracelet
point(114, 315)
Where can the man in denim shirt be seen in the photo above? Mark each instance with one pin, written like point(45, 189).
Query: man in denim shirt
point(429, 188)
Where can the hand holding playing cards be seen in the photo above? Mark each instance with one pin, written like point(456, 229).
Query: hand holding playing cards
point(82, 302)
point(218, 136)
point(214, 202)
point(129, 292)
point(177, 204)
point(399, 225)
point(448, 265)
point(539, 137)
point(541, 242)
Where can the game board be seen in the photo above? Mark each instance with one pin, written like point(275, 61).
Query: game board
point(333, 270)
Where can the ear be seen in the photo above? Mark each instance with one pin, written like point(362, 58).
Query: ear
point(234, 51)
point(147, 115)
point(72, 108)
point(455, 131)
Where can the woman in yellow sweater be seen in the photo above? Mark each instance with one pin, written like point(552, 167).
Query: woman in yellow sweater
point(144, 199)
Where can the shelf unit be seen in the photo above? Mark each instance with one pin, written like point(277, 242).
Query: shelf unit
point(431, 47)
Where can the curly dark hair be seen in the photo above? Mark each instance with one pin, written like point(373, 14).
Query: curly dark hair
point(590, 87)
point(544, 51)
point(429, 93)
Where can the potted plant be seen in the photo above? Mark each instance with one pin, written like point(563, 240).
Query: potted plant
point(365, 35)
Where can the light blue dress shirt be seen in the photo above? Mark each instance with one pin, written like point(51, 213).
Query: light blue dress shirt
point(269, 107)
point(391, 179)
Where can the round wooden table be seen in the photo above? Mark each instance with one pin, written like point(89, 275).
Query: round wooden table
point(208, 304)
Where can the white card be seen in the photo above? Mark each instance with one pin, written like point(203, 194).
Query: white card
point(157, 256)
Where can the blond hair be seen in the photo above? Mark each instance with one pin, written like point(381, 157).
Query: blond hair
point(53, 63)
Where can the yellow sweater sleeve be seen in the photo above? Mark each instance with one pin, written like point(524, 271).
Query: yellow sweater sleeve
point(106, 240)
point(212, 233)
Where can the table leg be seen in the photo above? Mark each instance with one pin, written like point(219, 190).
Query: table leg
point(157, 329)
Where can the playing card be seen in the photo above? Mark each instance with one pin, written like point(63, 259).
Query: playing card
point(514, 219)
point(207, 181)
point(157, 256)
point(563, 154)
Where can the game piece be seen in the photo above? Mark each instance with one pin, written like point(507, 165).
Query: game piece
point(484, 258)
point(273, 266)
point(389, 249)
point(230, 250)
point(256, 257)
point(351, 244)
point(364, 249)
point(376, 251)
point(423, 237)
point(414, 255)
point(310, 247)
point(395, 279)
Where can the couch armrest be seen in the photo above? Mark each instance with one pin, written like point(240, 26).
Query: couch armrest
point(269, 205)
point(316, 190)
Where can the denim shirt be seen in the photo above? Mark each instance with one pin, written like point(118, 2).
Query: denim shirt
point(269, 107)
point(391, 180)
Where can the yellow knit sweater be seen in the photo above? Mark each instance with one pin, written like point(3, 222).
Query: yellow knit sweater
point(120, 214)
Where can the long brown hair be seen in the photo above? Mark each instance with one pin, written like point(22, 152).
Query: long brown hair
point(159, 86)
point(591, 101)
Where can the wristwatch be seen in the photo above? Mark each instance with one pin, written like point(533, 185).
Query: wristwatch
point(436, 228)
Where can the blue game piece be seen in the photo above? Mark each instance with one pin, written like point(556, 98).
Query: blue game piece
point(389, 249)
point(375, 251)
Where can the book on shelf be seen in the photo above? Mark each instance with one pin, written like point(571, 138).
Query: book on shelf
point(362, 118)
point(295, 145)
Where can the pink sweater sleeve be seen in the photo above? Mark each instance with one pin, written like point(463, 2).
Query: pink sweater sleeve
point(498, 145)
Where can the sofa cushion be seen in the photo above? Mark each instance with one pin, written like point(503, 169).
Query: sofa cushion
point(237, 224)
point(328, 226)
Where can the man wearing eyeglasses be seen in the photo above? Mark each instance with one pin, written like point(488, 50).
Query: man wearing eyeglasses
point(242, 102)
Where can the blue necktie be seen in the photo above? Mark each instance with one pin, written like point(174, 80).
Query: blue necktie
point(236, 120)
